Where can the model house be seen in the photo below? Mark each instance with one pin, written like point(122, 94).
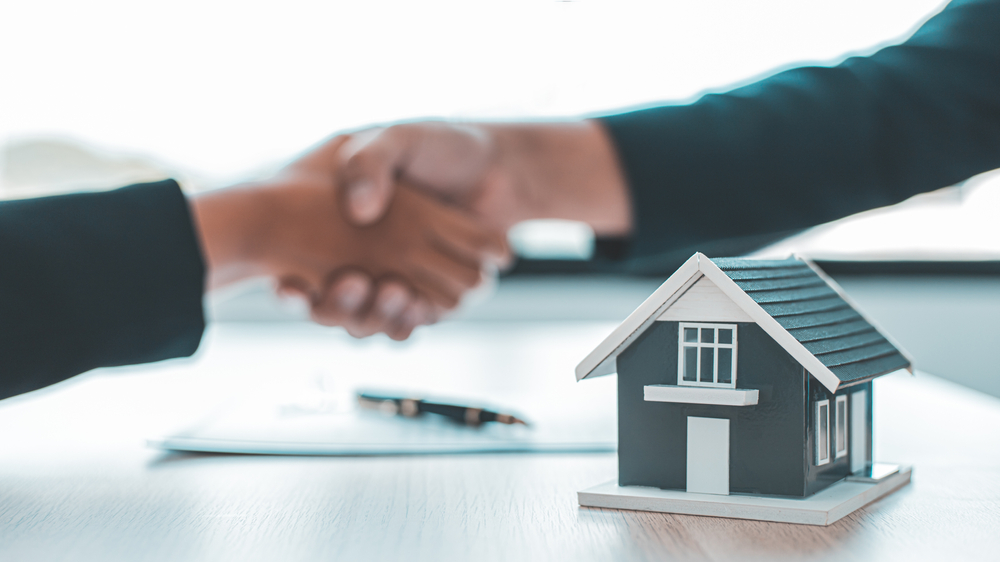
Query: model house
point(741, 376)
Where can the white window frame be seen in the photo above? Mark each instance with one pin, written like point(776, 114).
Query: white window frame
point(681, 344)
point(822, 457)
point(840, 448)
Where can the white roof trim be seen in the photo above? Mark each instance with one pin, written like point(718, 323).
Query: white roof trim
point(602, 360)
point(798, 351)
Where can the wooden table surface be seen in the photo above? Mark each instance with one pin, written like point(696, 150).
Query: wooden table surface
point(78, 483)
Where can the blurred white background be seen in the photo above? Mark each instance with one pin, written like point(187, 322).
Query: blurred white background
point(106, 92)
point(216, 90)
point(100, 93)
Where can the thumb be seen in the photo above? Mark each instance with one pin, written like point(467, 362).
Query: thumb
point(372, 160)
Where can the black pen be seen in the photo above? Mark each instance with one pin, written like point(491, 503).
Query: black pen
point(413, 407)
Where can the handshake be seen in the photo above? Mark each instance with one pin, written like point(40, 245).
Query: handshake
point(384, 230)
point(370, 267)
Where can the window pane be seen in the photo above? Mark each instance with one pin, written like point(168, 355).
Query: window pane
point(824, 432)
point(708, 335)
point(841, 425)
point(691, 334)
point(725, 364)
point(691, 364)
point(725, 335)
point(707, 364)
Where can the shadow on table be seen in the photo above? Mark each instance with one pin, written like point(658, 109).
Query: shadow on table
point(170, 458)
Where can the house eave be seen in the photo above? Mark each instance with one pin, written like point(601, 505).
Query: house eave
point(816, 368)
point(856, 382)
point(854, 305)
point(602, 360)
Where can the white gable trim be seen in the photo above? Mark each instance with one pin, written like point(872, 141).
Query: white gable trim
point(602, 360)
point(704, 302)
point(798, 351)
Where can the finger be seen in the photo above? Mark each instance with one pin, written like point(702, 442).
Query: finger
point(400, 334)
point(352, 329)
point(392, 298)
point(454, 275)
point(442, 279)
point(403, 328)
point(433, 314)
point(294, 287)
point(430, 287)
point(342, 302)
point(369, 173)
point(456, 232)
point(481, 249)
point(419, 313)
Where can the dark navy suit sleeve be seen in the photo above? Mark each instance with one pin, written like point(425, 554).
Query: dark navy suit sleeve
point(96, 280)
point(813, 144)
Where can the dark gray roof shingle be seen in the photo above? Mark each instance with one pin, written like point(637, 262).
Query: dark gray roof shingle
point(816, 316)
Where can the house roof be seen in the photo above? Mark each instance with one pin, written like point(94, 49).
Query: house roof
point(805, 312)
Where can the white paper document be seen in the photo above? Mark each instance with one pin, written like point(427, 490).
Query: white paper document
point(292, 389)
point(312, 427)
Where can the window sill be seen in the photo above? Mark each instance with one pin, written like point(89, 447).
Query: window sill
point(696, 395)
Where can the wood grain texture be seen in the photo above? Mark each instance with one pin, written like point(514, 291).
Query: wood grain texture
point(822, 508)
point(76, 482)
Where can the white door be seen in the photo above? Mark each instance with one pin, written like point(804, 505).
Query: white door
point(708, 456)
point(858, 442)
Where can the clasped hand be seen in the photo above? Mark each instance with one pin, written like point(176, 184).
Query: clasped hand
point(404, 269)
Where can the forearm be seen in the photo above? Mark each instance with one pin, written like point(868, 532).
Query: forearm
point(231, 226)
point(95, 280)
point(564, 170)
point(811, 145)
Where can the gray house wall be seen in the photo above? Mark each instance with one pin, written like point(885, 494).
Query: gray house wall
point(766, 441)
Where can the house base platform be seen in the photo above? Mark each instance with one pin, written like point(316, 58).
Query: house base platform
point(823, 508)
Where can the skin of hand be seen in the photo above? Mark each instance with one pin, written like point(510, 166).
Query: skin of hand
point(292, 228)
point(503, 173)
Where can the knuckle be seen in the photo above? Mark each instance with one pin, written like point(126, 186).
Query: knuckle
point(399, 334)
point(363, 160)
point(357, 332)
point(448, 301)
point(322, 318)
point(372, 324)
point(470, 277)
